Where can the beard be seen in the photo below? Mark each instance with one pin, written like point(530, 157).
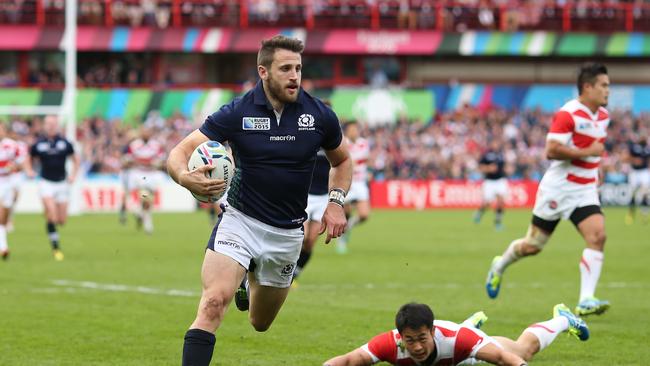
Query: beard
point(278, 92)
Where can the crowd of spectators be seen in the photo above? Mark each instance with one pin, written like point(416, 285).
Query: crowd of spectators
point(447, 148)
point(455, 15)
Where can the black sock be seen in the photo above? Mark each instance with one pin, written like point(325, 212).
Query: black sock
point(303, 259)
point(302, 262)
point(53, 235)
point(198, 347)
point(498, 216)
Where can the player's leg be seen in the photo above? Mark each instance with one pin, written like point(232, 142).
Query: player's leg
point(487, 198)
point(4, 245)
point(539, 231)
point(631, 208)
point(342, 241)
point(220, 276)
point(498, 211)
point(146, 200)
point(311, 235)
point(590, 222)
point(265, 303)
point(51, 218)
point(270, 276)
point(125, 196)
point(540, 335)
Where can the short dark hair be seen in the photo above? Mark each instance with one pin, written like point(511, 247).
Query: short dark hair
point(414, 316)
point(268, 47)
point(349, 123)
point(588, 74)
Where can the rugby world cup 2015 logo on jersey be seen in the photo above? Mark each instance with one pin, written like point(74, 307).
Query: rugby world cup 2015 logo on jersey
point(256, 123)
point(306, 122)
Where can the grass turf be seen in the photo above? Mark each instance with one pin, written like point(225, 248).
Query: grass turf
point(121, 297)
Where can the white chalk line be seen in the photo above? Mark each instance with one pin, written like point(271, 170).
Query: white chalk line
point(69, 286)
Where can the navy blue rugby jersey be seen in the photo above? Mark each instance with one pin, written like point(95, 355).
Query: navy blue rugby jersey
point(320, 177)
point(494, 157)
point(52, 154)
point(274, 157)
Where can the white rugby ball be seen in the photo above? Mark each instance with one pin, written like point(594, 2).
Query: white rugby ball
point(215, 154)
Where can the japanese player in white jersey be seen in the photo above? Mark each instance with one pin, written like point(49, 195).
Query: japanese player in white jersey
point(358, 207)
point(568, 190)
point(9, 156)
point(145, 156)
point(420, 340)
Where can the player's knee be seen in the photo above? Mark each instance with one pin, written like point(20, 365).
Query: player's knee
point(527, 249)
point(597, 240)
point(214, 306)
point(260, 325)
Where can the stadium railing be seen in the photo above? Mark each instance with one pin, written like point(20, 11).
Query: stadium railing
point(310, 14)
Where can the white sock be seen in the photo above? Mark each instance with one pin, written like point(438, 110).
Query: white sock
point(509, 256)
point(352, 222)
point(548, 330)
point(3, 238)
point(590, 266)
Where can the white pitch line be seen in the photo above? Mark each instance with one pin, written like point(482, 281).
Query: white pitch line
point(72, 286)
point(124, 288)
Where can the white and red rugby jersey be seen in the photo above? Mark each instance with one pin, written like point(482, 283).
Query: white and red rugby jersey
point(454, 344)
point(574, 125)
point(359, 152)
point(145, 155)
point(9, 151)
point(23, 151)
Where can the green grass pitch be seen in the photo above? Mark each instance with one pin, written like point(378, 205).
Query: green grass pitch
point(124, 298)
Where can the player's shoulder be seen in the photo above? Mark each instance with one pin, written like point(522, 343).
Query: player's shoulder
point(314, 104)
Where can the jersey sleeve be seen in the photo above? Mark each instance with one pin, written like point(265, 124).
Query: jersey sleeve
point(69, 148)
point(218, 126)
point(468, 342)
point(382, 348)
point(33, 151)
point(561, 128)
point(332, 131)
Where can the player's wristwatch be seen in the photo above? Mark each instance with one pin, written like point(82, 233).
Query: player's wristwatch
point(337, 195)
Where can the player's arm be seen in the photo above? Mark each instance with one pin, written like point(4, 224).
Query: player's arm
point(75, 167)
point(334, 220)
point(497, 356)
point(358, 357)
point(29, 167)
point(194, 180)
point(558, 151)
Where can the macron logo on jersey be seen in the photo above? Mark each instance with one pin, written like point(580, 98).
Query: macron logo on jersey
point(256, 123)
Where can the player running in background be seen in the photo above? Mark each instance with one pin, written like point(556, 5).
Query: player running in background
point(569, 188)
point(495, 184)
point(359, 196)
point(9, 153)
point(125, 177)
point(52, 150)
point(18, 176)
point(145, 156)
point(639, 178)
point(316, 203)
point(421, 340)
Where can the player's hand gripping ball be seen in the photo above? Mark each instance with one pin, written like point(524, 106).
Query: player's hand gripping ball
point(215, 154)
